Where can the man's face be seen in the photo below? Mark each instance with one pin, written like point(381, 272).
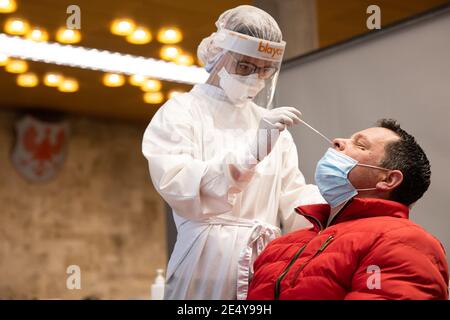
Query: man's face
point(367, 147)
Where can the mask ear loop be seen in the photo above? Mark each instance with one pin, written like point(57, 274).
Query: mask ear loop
point(373, 167)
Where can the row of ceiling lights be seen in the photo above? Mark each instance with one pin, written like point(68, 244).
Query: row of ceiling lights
point(169, 36)
point(122, 27)
point(29, 79)
point(150, 87)
point(20, 27)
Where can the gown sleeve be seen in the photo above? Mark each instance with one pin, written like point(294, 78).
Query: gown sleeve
point(194, 188)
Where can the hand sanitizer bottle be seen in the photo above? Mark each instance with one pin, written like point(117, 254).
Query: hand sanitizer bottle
point(157, 292)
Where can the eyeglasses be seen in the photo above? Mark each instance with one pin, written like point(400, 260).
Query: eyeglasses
point(244, 68)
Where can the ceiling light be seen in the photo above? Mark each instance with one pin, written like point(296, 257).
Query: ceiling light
point(169, 35)
point(137, 80)
point(174, 93)
point(140, 35)
point(100, 60)
point(113, 80)
point(68, 85)
point(153, 97)
point(184, 59)
point(27, 80)
point(16, 26)
point(170, 53)
point(122, 27)
point(151, 85)
point(16, 66)
point(7, 6)
point(53, 79)
point(69, 36)
point(3, 59)
point(37, 34)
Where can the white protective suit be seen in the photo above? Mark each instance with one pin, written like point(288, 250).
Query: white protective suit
point(225, 206)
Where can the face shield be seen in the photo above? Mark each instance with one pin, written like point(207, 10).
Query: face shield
point(248, 67)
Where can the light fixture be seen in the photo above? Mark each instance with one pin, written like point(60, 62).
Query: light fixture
point(3, 59)
point(16, 26)
point(174, 93)
point(151, 85)
point(170, 53)
point(137, 80)
point(53, 79)
point(37, 34)
point(122, 27)
point(27, 80)
point(68, 85)
point(153, 97)
point(68, 36)
point(7, 6)
point(113, 80)
point(170, 35)
point(184, 59)
point(140, 35)
point(16, 66)
point(100, 60)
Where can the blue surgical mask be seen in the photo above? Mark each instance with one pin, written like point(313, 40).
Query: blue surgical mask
point(332, 177)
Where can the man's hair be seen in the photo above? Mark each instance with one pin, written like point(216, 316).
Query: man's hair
point(407, 156)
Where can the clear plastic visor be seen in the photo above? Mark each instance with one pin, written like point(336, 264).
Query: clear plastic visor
point(248, 67)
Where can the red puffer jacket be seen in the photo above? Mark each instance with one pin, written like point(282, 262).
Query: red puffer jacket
point(370, 251)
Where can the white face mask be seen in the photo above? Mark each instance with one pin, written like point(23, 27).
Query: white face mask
point(240, 89)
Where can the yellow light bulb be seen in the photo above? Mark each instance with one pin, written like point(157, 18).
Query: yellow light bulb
point(7, 6)
point(153, 97)
point(37, 34)
point(169, 35)
point(68, 85)
point(16, 66)
point(184, 60)
point(113, 80)
point(140, 35)
point(137, 80)
point(174, 93)
point(16, 26)
point(27, 80)
point(4, 59)
point(53, 79)
point(69, 36)
point(151, 85)
point(122, 27)
point(170, 53)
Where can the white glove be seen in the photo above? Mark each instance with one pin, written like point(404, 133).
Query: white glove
point(270, 126)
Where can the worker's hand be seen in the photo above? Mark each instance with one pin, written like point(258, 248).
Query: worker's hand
point(280, 118)
point(270, 126)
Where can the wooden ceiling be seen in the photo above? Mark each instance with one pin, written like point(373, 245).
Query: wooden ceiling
point(344, 19)
point(337, 21)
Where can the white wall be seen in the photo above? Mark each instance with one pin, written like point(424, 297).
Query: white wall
point(403, 74)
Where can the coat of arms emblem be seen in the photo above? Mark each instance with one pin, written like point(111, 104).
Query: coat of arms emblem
point(40, 148)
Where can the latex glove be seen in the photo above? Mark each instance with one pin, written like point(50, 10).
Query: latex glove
point(270, 126)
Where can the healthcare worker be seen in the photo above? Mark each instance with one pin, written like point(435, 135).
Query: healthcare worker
point(224, 163)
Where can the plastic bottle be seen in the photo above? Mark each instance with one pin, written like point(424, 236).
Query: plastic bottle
point(157, 291)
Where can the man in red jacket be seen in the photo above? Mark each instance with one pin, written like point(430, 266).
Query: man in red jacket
point(361, 245)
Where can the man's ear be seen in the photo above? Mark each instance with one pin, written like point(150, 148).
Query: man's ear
point(392, 180)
